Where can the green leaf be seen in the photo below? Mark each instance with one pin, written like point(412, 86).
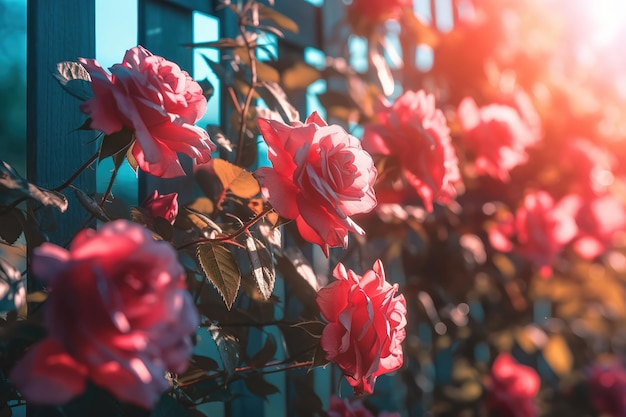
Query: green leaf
point(116, 144)
point(239, 181)
point(228, 349)
point(258, 386)
point(266, 353)
point(279, 19)
point(13, 187)
point(74, 79)
point(262, 266)
point(220, 267)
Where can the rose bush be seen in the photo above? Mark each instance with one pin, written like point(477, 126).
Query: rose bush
point(496, 135)
point(320, 177)
point(513, 388)
point(118, 314)
point(158, 102)
point(415, 132)
point(165, 206)
point(539, 229)
point(366, 325)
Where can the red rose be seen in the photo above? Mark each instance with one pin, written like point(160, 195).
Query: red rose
point(155, 99)
point(344, 408)
point(320, 177)
point(541, 228)
point(118, 314)
point(165, 206)
point(366, 325)
point(607, 383)
point(513, 388)
point(415, 132)
point(497, 135)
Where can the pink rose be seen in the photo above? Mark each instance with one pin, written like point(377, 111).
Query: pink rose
point(607, 383)
point(541, 228)
point(155, 99)
point(118, 314)
point(415, 132)
point(599, 220)
point(366, 325)
point(320, 177)
point(513, 388)
point(496, 135)
point(165, 206)
point(344, 408)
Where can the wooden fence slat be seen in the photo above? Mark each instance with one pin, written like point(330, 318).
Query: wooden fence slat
point(58, 30)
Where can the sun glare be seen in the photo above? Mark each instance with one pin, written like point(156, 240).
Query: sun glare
point(608, 18)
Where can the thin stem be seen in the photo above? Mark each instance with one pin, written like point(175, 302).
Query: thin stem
point(243, 229)
point(110, 186)
point(78, 172)
point(250, 94)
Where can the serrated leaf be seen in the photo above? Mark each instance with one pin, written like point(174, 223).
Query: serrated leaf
point(262, 266)
point(14, 187)
point(279, 19)
point(115, 144)
point(74, 79)
point(220, 267)
point(258, 386)
point(239, 181)
point(266, 353)
point(227, 348)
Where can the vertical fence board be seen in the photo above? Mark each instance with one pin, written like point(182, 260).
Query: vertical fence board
point(57, 30)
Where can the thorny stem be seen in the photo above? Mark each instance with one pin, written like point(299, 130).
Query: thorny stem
point(250, 93)
point(243, 229)
point(110, 186)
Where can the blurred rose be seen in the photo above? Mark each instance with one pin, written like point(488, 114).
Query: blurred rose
point(365, 15)
point(320, 177)
point(607, 384)
point(344, 408)
point(539, 229)
point(589, 167)
point(415, 132)
point(496, 135)
point(512, 389)
point(165, 206)
point(118, 314)
point(366, 325)
point(155, 99)
point(598, 222)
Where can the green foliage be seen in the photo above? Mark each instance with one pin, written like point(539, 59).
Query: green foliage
point(220, 268)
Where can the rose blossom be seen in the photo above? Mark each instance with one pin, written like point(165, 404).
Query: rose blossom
point(513, 388)
point(118, 314)
point(366, 325)
point(415, 132)
point(607, 386)
point(165, 206)
point(497, 135)
point(155, 99)
point(320, 177)
point(542, 229)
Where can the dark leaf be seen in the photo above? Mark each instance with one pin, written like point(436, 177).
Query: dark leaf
point(74, 79)
point(228, 349)
point(11, 225)
point(220, 267)
point(218, 136)
point(266, 353)
point(116, 143)
point(258, 386)
point(262, 266)
point(206, 363)
point(319, 357)
point(307, 403)
point(279, 19)
point(168, 407)
point(164, 228)
point(14, 187)
point(207, 88)
point(217, 69)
